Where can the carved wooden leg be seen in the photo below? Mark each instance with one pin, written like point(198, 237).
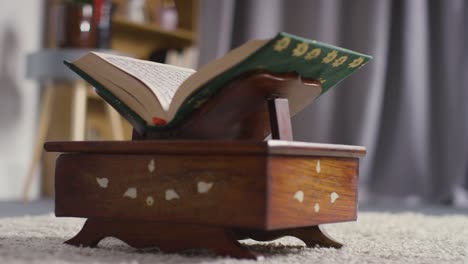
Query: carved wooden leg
point(226, 244)
point(315, 236)
point(169, 237)
point(311, 235)
point(89, 235)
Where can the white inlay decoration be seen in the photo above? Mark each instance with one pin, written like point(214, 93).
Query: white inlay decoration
point(149, 200)
point(299, 195)
point(204, 187)
point(171, 194)
point(151, 166)
point(317, 207)
point(333, 197)
point(103, 182)
point(317, 167)
point(131, 193)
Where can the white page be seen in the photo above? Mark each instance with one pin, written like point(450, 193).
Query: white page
point(162, 79)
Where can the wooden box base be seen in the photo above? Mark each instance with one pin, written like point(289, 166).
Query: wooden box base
point(184, 194)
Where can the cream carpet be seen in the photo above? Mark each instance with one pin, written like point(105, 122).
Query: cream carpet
point(374, 238)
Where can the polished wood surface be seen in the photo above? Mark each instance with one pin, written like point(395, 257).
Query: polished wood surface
point(273, 147)
point(163, 188)
point(242, 196)
point(256, 191)
point(324, 191)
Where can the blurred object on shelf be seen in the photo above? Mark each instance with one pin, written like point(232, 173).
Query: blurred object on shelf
point(159, 55)
point(181, 57)
point(166, 15)
point(138, 39)
point(187, 57)
point(103, 14)
point(76, 27)
point(142, 39)
point(136, 11)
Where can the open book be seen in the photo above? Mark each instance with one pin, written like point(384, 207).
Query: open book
point(159, 95)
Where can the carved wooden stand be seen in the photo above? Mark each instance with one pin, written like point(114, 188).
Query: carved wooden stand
point(171, 238)
point(270, 201)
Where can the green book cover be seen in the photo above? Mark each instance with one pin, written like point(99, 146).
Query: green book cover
point(284, 53)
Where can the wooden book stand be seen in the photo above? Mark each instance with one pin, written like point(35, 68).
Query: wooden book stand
point(197, 187)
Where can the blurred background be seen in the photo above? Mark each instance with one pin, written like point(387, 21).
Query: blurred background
point(407, 106)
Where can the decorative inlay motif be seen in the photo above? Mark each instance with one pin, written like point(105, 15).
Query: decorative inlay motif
point(131, 193)
point(299, 196)
point(103, 182)
point(333, 197)
point(149, 200)
point(151, 166)
point(317, 207)
point(204, 187)
point(171, 194)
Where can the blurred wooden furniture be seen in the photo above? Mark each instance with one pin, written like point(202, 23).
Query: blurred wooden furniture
point(137, 39)
point(47, 67)
point(212, 182)
point(141, 39)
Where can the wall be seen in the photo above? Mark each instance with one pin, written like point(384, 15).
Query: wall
point(20, 34)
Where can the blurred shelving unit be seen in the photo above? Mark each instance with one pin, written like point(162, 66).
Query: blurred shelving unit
point(136, 39)
point(140, 39)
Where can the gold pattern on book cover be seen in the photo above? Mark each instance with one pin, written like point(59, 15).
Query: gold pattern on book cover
point(356, 62)
point(313, 54)
point(330, 56)
point(282, 44)
point(300, 49)
point(340, 61)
